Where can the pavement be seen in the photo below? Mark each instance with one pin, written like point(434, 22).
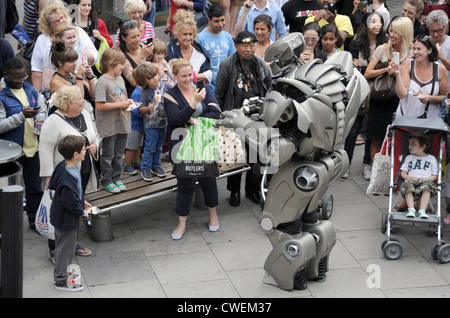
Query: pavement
point(142, 261)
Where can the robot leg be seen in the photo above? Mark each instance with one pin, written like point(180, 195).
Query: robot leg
point(286, 265)
point(325, 238)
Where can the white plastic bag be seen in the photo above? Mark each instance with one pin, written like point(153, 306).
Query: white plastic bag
point(381, 168)
point(42, 222)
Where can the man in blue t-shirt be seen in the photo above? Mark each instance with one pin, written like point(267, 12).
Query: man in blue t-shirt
point(216, 41)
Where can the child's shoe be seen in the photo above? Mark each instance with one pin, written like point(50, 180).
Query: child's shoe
point(111, 188)
point(128, 169)
point(159, 172)
point(146, 175)
point(136, 165)
point(423, 214)
point(120, 185)
point(70, 287)
point(411, 213)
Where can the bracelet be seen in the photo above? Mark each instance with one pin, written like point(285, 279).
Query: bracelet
point(90, 78)
point(79, 78)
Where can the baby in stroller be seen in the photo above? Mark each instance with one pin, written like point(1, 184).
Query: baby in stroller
point(420, 172)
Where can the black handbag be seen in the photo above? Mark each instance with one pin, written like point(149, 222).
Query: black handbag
point(382, 87)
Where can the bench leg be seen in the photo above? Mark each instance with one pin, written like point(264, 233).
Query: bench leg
point(101, 227)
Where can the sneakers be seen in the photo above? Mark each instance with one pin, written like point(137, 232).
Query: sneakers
point(120, 185)
point(70, 287)
point(129, 170)
point(411, 213)
point(146, 175)
point(423, 214)
point(111, 188)
point(136, 165)
point(346, 174)
point(367, 171)
point(158, 171)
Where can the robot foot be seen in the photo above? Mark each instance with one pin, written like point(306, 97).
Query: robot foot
point(300, 282)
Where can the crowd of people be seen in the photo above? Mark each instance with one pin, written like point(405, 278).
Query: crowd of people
point(91, 82)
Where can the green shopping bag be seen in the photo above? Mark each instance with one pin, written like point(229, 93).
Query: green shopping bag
point(198, 154)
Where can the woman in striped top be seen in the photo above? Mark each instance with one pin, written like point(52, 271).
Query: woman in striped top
point(135, 10)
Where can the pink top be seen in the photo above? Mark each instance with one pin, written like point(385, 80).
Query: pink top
point(149, 33)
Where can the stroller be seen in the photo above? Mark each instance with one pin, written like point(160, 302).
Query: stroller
point(398, 133)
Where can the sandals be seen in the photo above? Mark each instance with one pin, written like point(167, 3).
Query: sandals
point(399, 208)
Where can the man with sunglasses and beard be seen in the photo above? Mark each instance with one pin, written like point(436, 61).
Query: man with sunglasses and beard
point(19, 112)
point(241, 76)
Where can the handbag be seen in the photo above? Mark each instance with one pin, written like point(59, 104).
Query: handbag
point(382, 87)
point(197, 155)
point(201, 17)
point(42, 221)
point(231, 153)
point(379, 181)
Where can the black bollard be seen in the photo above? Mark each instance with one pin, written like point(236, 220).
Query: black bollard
point(11, 242)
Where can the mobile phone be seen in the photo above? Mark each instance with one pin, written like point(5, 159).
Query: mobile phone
point(149, 40)
point(84, 59)
point(332, 8)
point(397, 58)
point(361, 6)
point(200, 85)
point(307, 50)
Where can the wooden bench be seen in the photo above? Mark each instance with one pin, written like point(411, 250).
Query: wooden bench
point(138, 190)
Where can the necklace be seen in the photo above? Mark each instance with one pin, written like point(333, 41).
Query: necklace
point(73, 121)
point(70, 78)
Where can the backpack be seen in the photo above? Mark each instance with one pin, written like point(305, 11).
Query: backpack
point(11, 16)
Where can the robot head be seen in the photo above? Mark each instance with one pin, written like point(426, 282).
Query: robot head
point(281, 52)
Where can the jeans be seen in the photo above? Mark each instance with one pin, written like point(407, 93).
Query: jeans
point(154, 139)
point(111, 158)
point(150, 17)
point(32, 180)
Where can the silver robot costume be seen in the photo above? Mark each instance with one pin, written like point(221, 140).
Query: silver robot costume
point(309, 114)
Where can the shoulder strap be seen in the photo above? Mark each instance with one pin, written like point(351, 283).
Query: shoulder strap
point(65, 119)
point(388, 52)
point(132, 62)
point(171, 98)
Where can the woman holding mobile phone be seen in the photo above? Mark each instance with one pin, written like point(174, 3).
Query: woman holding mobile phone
point(422, 83)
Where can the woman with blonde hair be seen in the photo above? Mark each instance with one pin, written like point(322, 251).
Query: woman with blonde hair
point(135, 10)
point(184, 46)
point(183, 104)
point(52, 15)
point(70, 119)
point(381, 111)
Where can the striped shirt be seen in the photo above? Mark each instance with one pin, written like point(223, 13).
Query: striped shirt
point(30, 16)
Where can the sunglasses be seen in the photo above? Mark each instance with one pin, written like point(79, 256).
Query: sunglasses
point(129, 23)
point(422, 38)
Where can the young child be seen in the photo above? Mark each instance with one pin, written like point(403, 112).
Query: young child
point(158, 58)
point(113, 121)
point(67, 206)
point(135, 138)
point(419, 171)
point(329, 38)
point(155, 121)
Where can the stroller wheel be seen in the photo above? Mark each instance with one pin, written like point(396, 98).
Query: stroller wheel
point(436, 248)
point(444, 254)
point(393, 250)
point(327, 207)
point(384, 220)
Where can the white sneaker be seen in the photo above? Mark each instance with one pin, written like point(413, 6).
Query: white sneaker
point(411, 213)
point(367, 171)
point(346, 174)
point(423, 214)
